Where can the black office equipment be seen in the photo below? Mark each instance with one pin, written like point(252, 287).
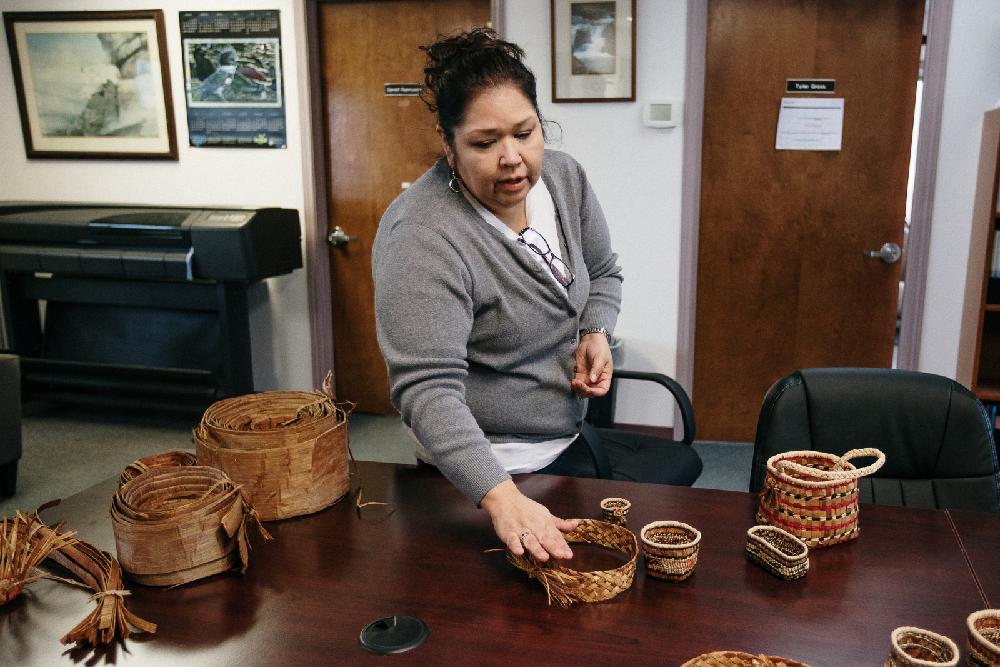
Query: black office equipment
point(136, 304)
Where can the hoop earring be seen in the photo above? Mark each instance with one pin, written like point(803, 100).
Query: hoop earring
point(453, 182)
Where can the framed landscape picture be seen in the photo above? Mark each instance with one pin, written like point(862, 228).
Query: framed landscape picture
point(92, 84)
point(593, 50)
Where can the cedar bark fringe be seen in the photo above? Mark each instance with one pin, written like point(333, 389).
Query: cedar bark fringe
point(26, 541)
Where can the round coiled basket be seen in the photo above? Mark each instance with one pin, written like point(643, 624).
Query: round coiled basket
point(176, 524)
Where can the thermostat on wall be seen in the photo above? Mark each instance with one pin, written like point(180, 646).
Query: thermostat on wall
point(661, 113)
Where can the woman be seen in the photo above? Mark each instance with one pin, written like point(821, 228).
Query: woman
point(495, 293)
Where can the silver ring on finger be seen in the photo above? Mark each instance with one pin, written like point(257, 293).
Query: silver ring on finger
point(524, 535)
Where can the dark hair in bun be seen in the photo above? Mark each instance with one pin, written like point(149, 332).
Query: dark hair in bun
point(460, 66)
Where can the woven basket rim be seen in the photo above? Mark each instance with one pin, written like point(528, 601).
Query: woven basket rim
point(670, 524)
point(977, 616)
point(919, 662)
point(613, 504)
point(848, 473)
point(745, 659)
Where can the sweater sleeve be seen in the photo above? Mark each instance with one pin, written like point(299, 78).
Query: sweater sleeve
point(423, 317)
point(604, 299)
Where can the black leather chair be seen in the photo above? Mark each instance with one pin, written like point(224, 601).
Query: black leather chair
point(10, 422)
point(936, 435)
point(675, 461)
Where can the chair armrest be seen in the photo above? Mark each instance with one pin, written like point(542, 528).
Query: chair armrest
point(674, 387)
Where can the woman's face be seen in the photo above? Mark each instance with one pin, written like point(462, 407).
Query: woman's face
point(497, 151)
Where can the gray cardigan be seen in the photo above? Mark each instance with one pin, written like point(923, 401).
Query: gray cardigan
point(478, 340)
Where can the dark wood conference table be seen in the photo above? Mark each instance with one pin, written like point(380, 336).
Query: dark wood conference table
point(307, 595)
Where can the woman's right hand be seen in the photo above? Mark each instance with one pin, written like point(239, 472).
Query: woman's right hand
point(523, 524)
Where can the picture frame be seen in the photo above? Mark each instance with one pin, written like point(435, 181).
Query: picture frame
point(593, 50)
point(92, 85)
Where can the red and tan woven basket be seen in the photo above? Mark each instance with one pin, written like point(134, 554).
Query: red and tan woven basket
point(814, 495)
point(287, 450)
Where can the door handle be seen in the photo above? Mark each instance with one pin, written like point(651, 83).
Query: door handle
point(888, 253)
point(338, 236)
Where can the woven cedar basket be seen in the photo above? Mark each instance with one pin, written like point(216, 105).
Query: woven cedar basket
point(916, 647)
point(984, 638)
point(814, 495)
point(616, 510)
point(176, 524)
point(740, 659)
point(778, 551)
point(287, 449)
point(567, 586)
point(671, 549)
point(139, 466)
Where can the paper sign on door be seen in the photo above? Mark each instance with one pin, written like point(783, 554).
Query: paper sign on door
point(810, 124)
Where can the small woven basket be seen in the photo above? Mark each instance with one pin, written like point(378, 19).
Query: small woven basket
point(984, 638)
point(814, 495)
point(175, 524)
point(740, 659)
point(616, 510)
point(778, 551)
point(566, 586)
point(287, 449)
point(671, 549)
point(916, 647)
point(139, 466)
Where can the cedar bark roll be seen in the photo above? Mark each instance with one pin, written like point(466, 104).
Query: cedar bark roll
point(288, 450)
point(139, 466)
point(176, 524)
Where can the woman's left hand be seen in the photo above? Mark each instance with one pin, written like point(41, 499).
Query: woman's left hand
point(592, 376)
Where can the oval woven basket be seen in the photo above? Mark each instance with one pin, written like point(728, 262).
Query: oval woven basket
point(176, 524)
point(567, 586)
point(139, 466)
point(916, 647)
point(287, 449)
point(740, 659)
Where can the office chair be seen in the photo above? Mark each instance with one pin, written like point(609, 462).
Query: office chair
point(937, 438)
point(10, 422)
point(675, 461)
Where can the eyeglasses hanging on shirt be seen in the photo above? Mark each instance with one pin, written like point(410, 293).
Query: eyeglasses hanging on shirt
point(540, 246)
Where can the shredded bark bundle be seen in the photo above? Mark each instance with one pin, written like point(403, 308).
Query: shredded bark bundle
point(287, 449)
point(24, 543)
point(27, 541)
point(176, 524)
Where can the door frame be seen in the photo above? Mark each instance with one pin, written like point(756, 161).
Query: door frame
point(314, 162)
point(937, 17)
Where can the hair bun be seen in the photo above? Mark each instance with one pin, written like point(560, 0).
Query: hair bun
point(461, 53)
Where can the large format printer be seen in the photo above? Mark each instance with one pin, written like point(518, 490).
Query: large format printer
point(136, 305)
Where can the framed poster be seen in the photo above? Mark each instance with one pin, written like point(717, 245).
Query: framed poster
point(92, 84)
point(593, 50)
point(232, 78)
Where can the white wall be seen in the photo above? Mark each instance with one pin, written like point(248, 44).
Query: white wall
point(636, 172)
point(972, 87)
point(202, 176)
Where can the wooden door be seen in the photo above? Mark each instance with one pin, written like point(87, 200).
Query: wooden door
point(375, 145)
point(783, 278)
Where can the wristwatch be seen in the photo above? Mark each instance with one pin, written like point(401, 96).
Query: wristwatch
point(600, 330)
